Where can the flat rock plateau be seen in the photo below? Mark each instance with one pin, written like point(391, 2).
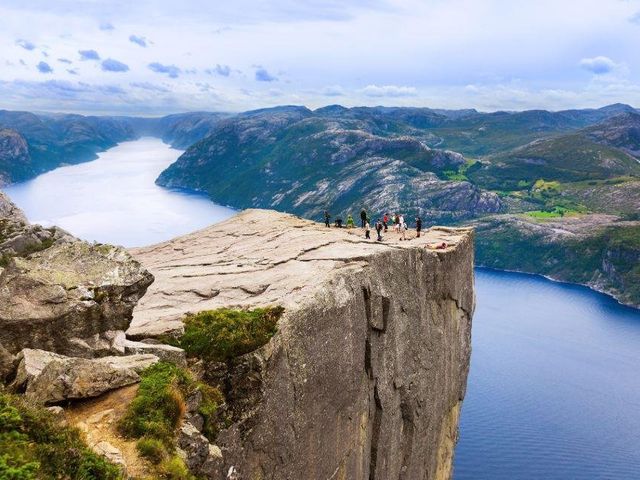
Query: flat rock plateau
point(365, 376)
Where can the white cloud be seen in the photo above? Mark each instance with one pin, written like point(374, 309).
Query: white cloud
point(488, 54)
point(389, 91)
point(598, 65)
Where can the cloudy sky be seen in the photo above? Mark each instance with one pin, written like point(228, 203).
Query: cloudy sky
point(156, 57)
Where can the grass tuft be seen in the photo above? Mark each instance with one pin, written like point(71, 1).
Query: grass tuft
point(222, 334)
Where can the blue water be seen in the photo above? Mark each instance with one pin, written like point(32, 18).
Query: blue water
point(554, 387)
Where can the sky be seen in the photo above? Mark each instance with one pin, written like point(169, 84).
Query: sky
point(144, 57)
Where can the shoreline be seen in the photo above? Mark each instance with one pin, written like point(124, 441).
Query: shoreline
point(593, 288)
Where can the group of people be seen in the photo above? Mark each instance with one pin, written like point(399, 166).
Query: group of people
point(395, 221)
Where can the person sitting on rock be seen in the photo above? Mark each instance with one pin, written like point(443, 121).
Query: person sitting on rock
point(327, 217)
point(350, 223)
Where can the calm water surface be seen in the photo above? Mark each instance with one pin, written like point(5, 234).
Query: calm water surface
point(554, 388)
point(114, 199)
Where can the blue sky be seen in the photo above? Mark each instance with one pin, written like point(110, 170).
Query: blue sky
point(157, 57)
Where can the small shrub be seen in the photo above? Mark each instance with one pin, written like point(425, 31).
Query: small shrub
point(155, 413)
point(152, 449)
point(159, 404)
point(222, 334)
point(35, 445)
point(174, 469)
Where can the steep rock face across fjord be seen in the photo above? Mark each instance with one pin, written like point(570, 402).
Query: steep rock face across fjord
point(365, 376)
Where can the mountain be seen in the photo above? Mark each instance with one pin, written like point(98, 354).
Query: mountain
point(180, 130)
point(598, 152)
point(32, 144)
point(300, 161)
point(621, 131)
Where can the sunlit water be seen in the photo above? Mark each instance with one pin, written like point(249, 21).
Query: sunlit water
point(554, 388)
point(114, 199)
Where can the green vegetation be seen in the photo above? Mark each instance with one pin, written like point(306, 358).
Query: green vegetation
point(460, 175)
point(156, 411)
point(35, 445)
point(565, 158)
point(500, 244)
point(222, 334)
point(152, 449)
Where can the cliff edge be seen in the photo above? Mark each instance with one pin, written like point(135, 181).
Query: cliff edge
point(365, 376)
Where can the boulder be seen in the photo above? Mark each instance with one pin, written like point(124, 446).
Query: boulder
point(111, 453)
point(166, 353)
point(7, 364)
point(50, 378)
point(111, 342)
point(70, 291)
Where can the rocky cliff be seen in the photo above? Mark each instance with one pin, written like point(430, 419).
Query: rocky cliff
point(366, 373)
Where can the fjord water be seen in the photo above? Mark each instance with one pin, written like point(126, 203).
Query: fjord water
point(114, 199)
point(554, 387)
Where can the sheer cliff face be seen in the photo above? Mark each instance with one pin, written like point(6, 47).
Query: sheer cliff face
point(365, 376)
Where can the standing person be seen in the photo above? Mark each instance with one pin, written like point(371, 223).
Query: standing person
point(385, 222)
point(350, 223)
point(403, 230)
point(418, 226)
point(327, 217)
point(379, 230)
point(367, 229)
point(396, 222)
point(363, 217)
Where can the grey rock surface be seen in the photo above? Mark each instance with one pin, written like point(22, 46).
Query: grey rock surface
point(69, 291)
point(7, 364)
point(9, 211)
point(166, 353)
point(111, 453)
point(365, 377)
point(50, 378)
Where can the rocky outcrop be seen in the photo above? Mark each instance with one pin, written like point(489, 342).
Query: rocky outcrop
point(365, 377)
point(50, 378)
point(60, 294)
point(69, 291)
